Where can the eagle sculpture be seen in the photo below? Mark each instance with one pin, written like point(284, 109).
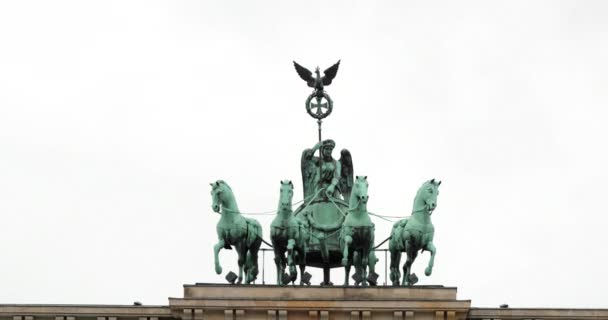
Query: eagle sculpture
point(317, 82)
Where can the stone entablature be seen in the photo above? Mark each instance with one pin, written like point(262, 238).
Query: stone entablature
point(221, 302)
point(233, 302)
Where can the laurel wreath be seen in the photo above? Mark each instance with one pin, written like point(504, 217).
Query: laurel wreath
point(330, 105)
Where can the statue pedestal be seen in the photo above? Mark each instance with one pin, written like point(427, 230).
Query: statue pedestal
point(234, 302)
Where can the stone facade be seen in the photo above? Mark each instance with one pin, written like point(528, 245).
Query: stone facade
point(230, 302)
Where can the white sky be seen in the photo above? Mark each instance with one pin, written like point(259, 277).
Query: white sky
point(115, 116)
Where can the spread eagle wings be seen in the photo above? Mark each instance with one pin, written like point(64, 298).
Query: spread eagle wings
point(330, 74)
point(345, 184)
point(306, 75)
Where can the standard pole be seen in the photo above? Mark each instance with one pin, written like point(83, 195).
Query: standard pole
point(319, 122)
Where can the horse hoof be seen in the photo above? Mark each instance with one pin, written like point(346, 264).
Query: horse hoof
point(344, 262)
point(428, 271)
point(218, 269)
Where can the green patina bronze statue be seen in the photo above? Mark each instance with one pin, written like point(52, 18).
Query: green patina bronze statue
point(234, 230)
point(327, 192)
point(413, 234)
point(324, 173)
point(320, 109)
point(357, 234)
point(317, 82)
point(360, 268)
point(290, 235)
point(327, 186)
point(332, 227)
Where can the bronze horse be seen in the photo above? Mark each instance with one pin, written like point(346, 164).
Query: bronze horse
point(234, 230)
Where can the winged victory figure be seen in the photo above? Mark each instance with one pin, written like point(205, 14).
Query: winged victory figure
point(326, 173)
point(317, 82)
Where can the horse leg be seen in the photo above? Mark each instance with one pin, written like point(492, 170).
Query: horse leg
point(216, 250)
point(302, 263)
point(252, 262)
point(241, 261)
point(367, 250)
point(407, 266)
point(357, 264)
point(248, 269)
point(283, 265)
point(364, 262)
point(291, 259)
point(406, 242)
point(406, 270)
point(395, 261)
point(254, 249)
point(347, 269)
point(278, 262)
point(348, 240)
point(430, 247)
point(247, 266)
point(372, 265)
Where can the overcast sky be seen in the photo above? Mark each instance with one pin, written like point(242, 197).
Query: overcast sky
point(115, 116)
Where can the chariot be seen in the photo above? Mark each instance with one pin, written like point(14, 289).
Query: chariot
point(327, 185)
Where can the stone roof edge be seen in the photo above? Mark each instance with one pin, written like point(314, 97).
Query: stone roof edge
point(545, 313)
point(205, 284)
point(84, 309)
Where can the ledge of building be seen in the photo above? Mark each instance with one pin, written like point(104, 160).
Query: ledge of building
point(84, 310)
point(537, 313)
point(335, 293)
point(261, 298)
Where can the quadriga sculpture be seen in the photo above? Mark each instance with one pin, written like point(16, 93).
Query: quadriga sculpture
point(234, 230)
point(413, 234)
point(289, 235)
point(357, 233)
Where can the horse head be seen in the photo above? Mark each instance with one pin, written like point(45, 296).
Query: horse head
point(426, 198)
point(359, 193)
point(286, 196)
point(220, 195)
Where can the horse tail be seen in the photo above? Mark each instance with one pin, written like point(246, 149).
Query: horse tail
point(254, 234)
point(396, 238)
point(257, 228)
point(257, 235)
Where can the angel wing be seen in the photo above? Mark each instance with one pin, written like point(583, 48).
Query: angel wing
point(307, 165)
point(347, 174)
point(329, 74)
point(305, 74)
